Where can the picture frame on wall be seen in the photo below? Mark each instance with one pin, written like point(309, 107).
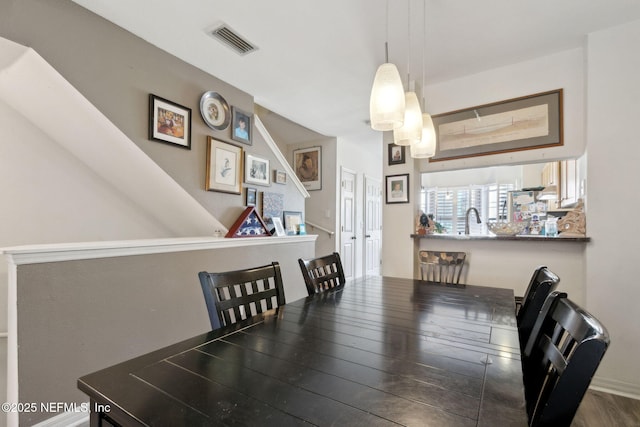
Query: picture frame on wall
point(251, 196)
point(169, 122)
point(256, 170)
point(224, 167)
point(279, 176)
point(525, 123)
point(241, 129)
point(307, 163)
point(396, 154)
point(397, 188)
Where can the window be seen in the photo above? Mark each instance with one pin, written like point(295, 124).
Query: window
point(449, 205)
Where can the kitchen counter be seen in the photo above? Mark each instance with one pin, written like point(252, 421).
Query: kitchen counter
point(521, 238)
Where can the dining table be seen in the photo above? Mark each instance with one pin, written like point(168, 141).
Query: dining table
point(379, 351)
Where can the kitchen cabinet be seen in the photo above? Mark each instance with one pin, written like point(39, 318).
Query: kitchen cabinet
point(551, 176)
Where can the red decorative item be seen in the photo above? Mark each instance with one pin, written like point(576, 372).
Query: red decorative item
point(249, 224)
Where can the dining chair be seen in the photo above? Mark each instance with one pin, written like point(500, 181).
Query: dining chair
point(233, 296)
point(542, 283)
point(562, 355)
point(323, 273)
point(441, 267)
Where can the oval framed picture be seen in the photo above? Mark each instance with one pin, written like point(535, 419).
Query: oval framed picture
point(215, 110)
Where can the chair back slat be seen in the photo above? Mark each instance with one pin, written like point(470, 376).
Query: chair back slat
point(441, 267)
point(560, 358)
point(237, 295)
point(542, 283)
point(321, 274)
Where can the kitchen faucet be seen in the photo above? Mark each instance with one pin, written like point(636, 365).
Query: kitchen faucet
point(466, 219)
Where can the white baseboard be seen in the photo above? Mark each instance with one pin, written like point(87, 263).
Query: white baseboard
point(66, 419)
point(616, 387)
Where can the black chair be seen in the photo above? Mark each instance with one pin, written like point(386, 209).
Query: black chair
point(237, 295)
point(560, 359)
point(542, 283)
point(321, 274)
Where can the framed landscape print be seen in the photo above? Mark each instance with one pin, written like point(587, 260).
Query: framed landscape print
point(525, 123)
point(224, 167)
point(307, 163)
point(397, 188)
point(169, 122)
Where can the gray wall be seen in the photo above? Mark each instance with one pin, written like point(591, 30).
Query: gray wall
point(116, 71)
point(76, 317)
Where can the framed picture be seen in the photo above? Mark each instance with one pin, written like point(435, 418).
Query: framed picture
point(307, 163)
point(241, 130)
point(397, 188)
point(279, 176)
point(256, 170)
point(169, 122)
point(215, 110)
point(525, 123)
point(224, 167)
point(396, 154)
point(251, 196)
point(272, 205)
point(292, 221)
point(279, 228)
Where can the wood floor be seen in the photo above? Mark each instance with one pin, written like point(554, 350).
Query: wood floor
point(599, 409)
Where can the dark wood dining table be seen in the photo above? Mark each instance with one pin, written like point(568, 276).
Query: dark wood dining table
point(381, 351)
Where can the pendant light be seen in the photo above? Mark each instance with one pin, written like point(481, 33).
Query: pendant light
point(411, 130)
point(387, 101)
point(426, 147)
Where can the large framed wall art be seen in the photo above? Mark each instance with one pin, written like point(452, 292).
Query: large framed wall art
point(524, 123)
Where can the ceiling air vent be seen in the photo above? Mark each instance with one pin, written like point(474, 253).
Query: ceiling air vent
point(232, 39)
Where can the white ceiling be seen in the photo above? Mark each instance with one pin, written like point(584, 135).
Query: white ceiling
point(316, 61)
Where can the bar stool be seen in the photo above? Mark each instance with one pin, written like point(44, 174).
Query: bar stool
point(441, 267)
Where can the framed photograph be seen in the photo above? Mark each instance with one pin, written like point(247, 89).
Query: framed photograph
point(251, 196)
point(396, 154)
point(307, 163)
point(279, 228)
point(292, 221)
point(397, 188)
point(224, 167)
point(279, 176)
point(241, 130)
point(256, 170)
point(525, 123)
point(169, 122)
point(215, 111)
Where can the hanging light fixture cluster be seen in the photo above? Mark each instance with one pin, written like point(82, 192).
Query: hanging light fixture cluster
point(391, 108)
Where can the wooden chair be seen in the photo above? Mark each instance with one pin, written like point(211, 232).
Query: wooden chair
point(562, 355)
point(542, 283)
point(237, 295)
point(441, 267)
point(321, 274)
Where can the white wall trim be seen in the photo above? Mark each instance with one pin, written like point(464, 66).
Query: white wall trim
point(620, 388)
point(66, 419)
point(35, 254)
point(281, 158)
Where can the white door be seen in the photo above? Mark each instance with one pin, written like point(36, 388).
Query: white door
point(372, 225)
point(348, 222)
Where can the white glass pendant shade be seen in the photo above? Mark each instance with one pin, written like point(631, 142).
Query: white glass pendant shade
point(387, 102)
point(411, 130)
point(427, 146)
